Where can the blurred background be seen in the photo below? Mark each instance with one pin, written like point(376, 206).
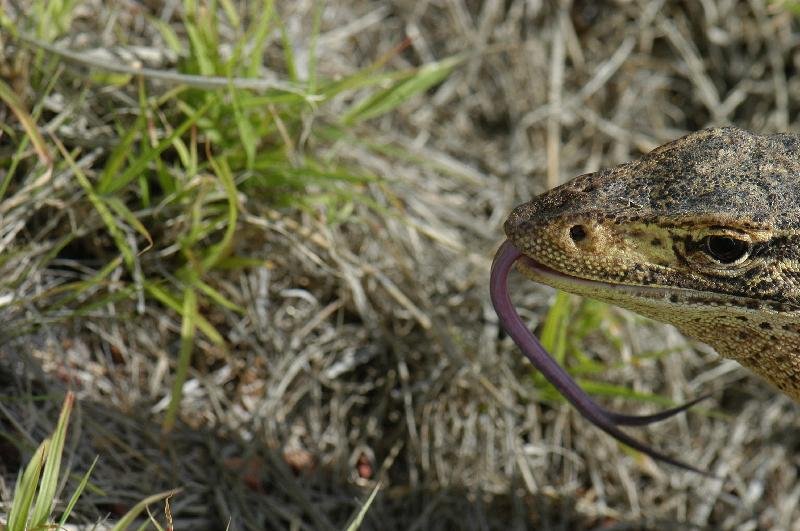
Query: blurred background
point(254, 239)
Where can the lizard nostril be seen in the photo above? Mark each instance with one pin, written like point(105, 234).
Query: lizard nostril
point(577, 233)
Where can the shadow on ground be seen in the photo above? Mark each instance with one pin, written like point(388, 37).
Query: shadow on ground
point(229, 483)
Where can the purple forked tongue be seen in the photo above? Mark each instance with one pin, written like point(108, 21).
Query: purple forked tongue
point(606, 420)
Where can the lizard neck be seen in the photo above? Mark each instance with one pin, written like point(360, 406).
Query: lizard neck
point(767, 344)
point(771, 349)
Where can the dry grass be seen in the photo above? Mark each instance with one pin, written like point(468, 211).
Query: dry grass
point(366, 349)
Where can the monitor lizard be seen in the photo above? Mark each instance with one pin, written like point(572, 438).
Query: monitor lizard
point(702, 233)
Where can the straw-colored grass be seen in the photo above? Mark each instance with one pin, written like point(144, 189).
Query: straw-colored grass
point(253, 239)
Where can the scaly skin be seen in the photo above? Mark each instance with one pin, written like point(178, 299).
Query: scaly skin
point(702, 233)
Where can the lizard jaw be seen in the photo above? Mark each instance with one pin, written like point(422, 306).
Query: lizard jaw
point(638, 298)
point(545, 274)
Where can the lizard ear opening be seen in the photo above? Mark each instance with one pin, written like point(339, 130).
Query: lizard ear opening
point(604, 419)
point(577, 233)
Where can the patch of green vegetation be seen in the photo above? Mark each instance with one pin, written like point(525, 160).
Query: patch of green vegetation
point(34, 503)
point(792, 6)
point(164, 201)
point(564, 334)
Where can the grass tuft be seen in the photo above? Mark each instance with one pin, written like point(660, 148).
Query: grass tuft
point(171, 188)
point(34, 506)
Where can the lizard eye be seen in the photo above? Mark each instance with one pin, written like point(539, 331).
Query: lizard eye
point(725, 249)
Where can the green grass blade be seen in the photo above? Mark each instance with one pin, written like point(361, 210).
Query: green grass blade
point(10, 98)
point(105, 214)
point(359, 80)
point(121, 152)
point(119, 295)
point(247, 134)
point(218, 297)
point(52, 466)
point(200, 51)
point(152, 519)
point(137, 509)
point(129, 217)
point(620, 391)
point(389, 99)
point(219, 249)
point(319, 8)
point(188, 328)
point(25, 490)
point(133, 171)
point(158, 293)
point(261, 33)
point(359, 519)
point(554, 330)
point(168, 34)
point(289, 55)
point(231, 13)
point(77, 494)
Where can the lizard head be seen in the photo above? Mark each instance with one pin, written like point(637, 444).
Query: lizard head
point(702, 233)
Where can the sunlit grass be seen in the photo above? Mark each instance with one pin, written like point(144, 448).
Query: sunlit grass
point(169, 193)
point(568, 322)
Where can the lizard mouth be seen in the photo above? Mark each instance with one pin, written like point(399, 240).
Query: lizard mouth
point(540, 269)
point(586, 286)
